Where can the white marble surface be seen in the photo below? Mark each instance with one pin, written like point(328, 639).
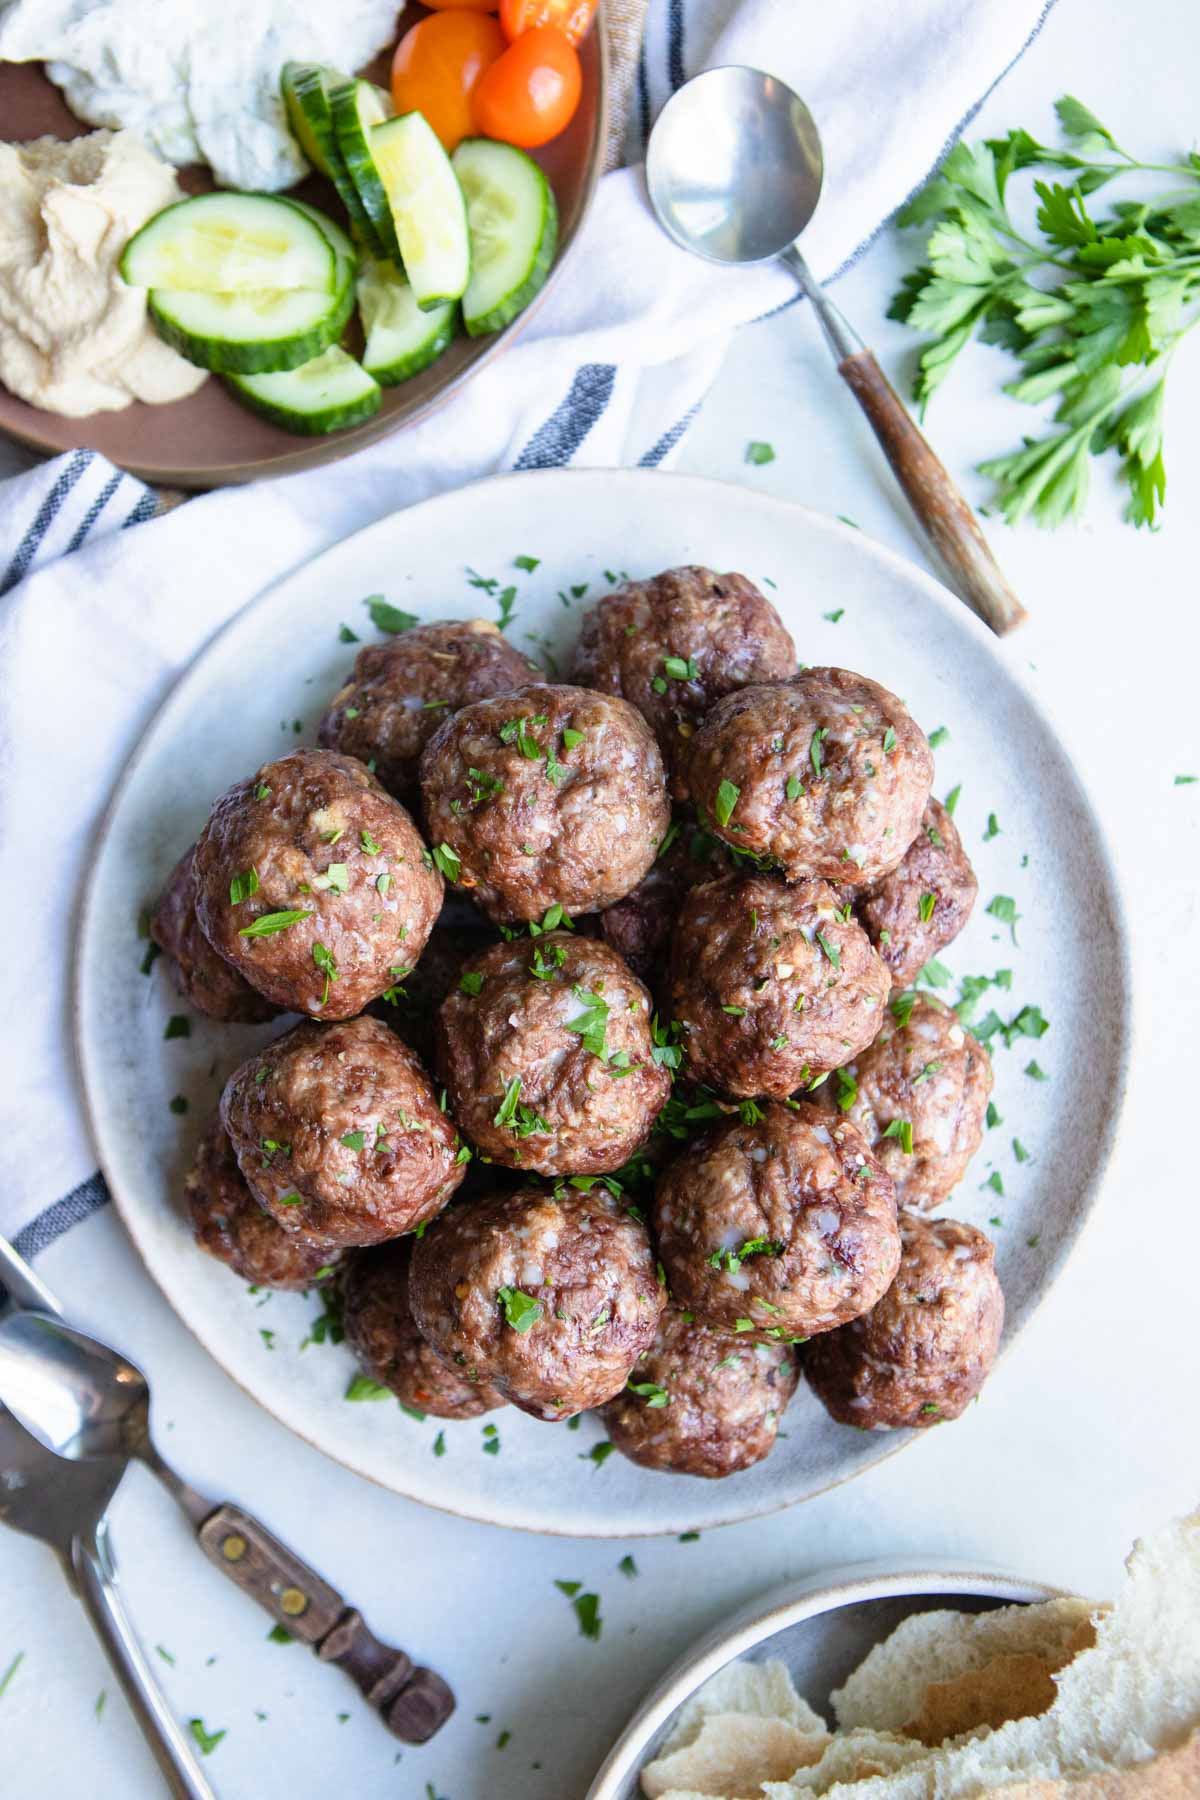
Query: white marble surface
point(1088, 1431)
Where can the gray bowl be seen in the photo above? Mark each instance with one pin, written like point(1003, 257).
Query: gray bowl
point(821, 1627)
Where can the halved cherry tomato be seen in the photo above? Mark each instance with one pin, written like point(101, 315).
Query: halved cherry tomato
point(571, 17)
point(437, 67)
point(529, 94)
point(461, 5)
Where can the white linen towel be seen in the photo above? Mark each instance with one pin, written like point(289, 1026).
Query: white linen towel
point(97, 619)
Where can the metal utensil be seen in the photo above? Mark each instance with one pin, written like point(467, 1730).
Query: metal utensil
point(89, 1405)
point(735, 168)
point(63, 1504)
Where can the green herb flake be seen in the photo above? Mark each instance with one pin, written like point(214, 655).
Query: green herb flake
point(952, 799)
point(1035, 1072)
point(938, 738)
point(520, 1310)
point(994, 1181)
point(363, 1388)
point(728, 795)
point(793, 787)
point(834, 616)
point(279, 1634)
point(655, 1396)
point(527, 563)
point(591, 1024)
point(628, 1567)
point(267, 924)
point(993, 829)
point(814, 749)
point(901, 1129)
point(391, 619)
point(439, 1444)
point(571, 738)
point(346, 636)
point(758, 453)
point(242, 886)
point(1186, 780)
point(832, 952)
point(1019, 1151)
point(206, 1741)
point(471, 982)
point(993, 1117)
point(11, 1670)
point(177, 1026)
point(925, 907)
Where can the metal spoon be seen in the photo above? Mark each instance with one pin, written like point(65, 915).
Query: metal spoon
point(734, 168)
point(87, 1403)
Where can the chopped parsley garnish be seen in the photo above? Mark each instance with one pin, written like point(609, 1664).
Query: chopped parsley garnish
point(446, 860)
point(628, 1567)
point(363, 1388)
point(925, 906)
point(367, 843)
point(385, 617)
point(206, 1740)
point(994, 1181)
point(847, 1092)
point(814, 749)
point(346, 636)
point(1035, 1072)
point(571, 737)
point(758, 452)
point(951, 800)
point(1186, 780)
point(794, 787)
point(901, 1006)
point(11, 1670)
point(681, 669)
point(517, 731)
point(831, 950)
point(1019, 1151)
point(521, 1311)
point(938, 737)
point(528, 563)
point(335, 878)
point(177, 1026)
point(590, 1025)
point(728, 795)
point(993, 1116)
point(242, 886)
point(934, 974)
point(735, 1012)
point(327, 967)
point(993, 829)
point(543, 967)
point(834, 616)
point(649, 1391)
point(471, 982)
point(1004, 908)
point(733, 1259)
point(587, 1611)
point(267, 924)
point(901, 1129)
point(889, 741)
point(491, 1441)
point(927, 1073)
point(354, 1140)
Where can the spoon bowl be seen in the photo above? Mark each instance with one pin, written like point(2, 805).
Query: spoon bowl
point(75, 1395)
point(735, 166)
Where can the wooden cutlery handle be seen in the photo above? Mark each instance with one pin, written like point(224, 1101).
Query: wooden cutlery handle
point(948, 521)
point(413, 1702)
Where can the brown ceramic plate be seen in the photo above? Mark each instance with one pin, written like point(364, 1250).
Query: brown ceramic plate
point(209, 440)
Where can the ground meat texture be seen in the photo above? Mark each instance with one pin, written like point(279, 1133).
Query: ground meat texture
point(676, 644)
point(825, 774)
point(545, 1049)
point(923, 1353)
point(338, 1131)
point(640, 926)
point(700, 1402)
point(924, 903)
point(379, 1329)
point(548, 1297)
point(229, 1223)
point(204, 979)
point(551, 795)
point(401, 691)
point(315, 884)
point(781, 1228)
point(410, 1007)
point(919, 1095)
point(772, 985)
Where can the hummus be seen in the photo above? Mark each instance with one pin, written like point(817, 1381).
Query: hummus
point(73, 338)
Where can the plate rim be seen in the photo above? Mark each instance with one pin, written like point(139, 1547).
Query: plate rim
point(309, 453)
point(899, 567)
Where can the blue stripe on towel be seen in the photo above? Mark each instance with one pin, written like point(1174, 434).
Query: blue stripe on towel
point(72, 1209)
point(94, 510)
point(49, 510)
point(556, 442)
point(676, 74)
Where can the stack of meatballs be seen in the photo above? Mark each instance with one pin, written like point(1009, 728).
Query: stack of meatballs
point(609, 1088)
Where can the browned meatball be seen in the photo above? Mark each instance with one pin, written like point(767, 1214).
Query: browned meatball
point(410, 1007)
point(204, 979)
point(675, 644)
point(784, 1228)
point(379, 1329)
point(700, 1402)
point(548, 795)
point(640, 926)
point(230, 1224)
point(919, 1095)
point(826, 774)
point(925, 1351)
point(924, 903)
point(772, 985)
point(401, 691)
point(549, 1297)
point(545, 1049)
point(339, 1133)
point(315, 884)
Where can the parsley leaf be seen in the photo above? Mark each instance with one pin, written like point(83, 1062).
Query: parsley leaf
point(728, 795)
point(591, 1024)
point(521, 1311)
point(759, 453)
point(392, 619)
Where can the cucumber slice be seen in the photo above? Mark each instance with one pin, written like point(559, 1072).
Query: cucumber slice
point(243, 334)
point(327, 394)
point(401, 339)
point(427, 208)
point(228, 243)
point(345, 253)
point(513, 222)
point(306, 88)
point(357, 107)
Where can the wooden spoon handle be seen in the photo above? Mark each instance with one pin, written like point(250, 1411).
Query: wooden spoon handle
point(948, 521)
point(413, 1702)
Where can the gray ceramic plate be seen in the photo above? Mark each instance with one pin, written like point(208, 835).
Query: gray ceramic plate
point(209, 440)
point(273, 669)
point(821, 1628)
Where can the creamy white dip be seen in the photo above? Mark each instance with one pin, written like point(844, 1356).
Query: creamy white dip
point(197, 79)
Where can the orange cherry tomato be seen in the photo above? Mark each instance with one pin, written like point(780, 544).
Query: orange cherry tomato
point(529, 94)
point(571, 17)
point(437, 67)
point(461, 5)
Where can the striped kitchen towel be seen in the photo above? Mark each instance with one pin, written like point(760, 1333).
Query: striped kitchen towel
point(105, 600)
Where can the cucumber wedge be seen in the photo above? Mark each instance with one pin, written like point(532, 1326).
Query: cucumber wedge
point(427, 208)
point(228, 243)
point(513, 223)
point(327, 394)
point(344, 252)
point(244, 334)
point(401, 339)
point(306, 88)
point(357, 107)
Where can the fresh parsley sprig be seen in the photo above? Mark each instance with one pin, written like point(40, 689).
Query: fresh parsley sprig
point(1093, 310)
